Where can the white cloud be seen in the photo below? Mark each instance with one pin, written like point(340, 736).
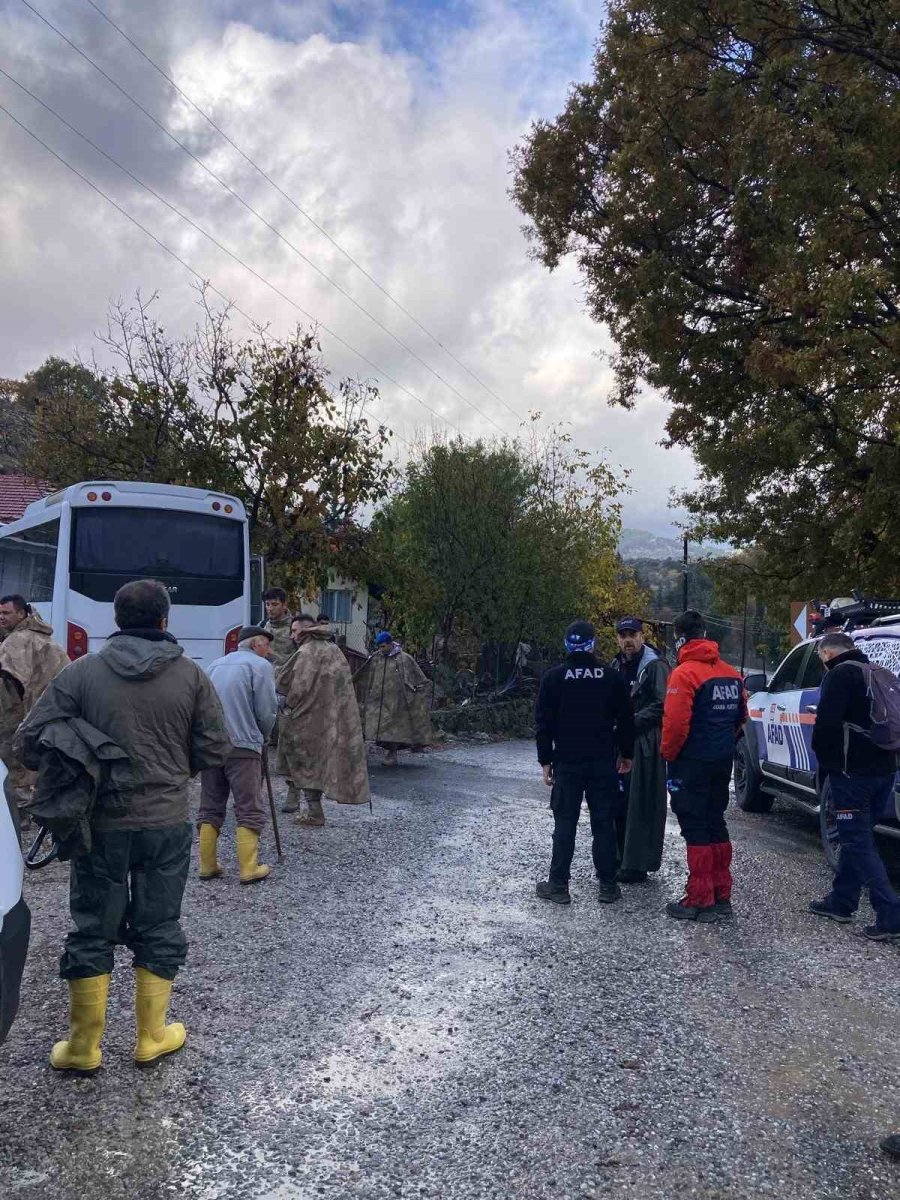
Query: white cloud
point(399, 150)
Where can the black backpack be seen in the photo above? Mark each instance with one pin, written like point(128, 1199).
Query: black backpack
point(883, 692)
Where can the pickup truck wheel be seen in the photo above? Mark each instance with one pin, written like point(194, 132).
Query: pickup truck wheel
point(747, 781)
point(828, 826)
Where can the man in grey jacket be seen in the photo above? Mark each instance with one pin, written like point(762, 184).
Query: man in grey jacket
point(245, 684)
point(160, 709)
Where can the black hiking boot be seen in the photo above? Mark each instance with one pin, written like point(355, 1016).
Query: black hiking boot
point(877, 933)
point(690, 912)
point(553, 893)
point(631, 877)
point(723, 910)
point(609, 893)
point(823, 909)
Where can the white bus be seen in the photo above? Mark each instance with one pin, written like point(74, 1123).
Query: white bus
point(71, 551)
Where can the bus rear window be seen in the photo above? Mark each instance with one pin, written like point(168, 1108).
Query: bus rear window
point(147, 542)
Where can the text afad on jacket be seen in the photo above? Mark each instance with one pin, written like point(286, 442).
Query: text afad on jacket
point(584, 673)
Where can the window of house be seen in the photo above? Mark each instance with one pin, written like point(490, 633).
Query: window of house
point(337, 605)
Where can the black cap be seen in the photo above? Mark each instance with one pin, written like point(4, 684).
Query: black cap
point(629, 625)
point(580, 633)
point(252, 631)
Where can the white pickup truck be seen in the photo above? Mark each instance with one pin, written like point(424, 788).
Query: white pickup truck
point(774, 757)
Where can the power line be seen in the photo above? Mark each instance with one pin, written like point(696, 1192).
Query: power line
point(337, 245)
point(174, 254)
point(258, 215)
point(219, 245)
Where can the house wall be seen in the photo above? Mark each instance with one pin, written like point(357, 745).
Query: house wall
point(347, 597)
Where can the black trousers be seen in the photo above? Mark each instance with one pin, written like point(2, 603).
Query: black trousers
point(699, 793)
point(128, 891)
point(598, 783)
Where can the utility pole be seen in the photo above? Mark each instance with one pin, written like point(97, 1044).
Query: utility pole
point(744, 636)
point(685, 572)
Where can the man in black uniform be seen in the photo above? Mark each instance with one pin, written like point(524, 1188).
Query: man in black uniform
point(862, 777)
point(583, 713)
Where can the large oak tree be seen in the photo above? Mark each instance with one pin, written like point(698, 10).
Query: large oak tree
point(729, 182)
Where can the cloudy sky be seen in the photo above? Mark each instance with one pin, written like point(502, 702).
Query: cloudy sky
point(389, 122)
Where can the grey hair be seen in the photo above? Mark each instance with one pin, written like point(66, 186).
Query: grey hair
point(836, 641)
point(249, 643)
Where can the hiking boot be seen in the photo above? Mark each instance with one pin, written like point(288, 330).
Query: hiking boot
point(822, 908)
point(723, 910)
point(631, 877)
point(891, 1145)
point(292, 804)
point(690, 912)
point(310, 820)
point(877, 933)
point(609, 893)
point(553, 893)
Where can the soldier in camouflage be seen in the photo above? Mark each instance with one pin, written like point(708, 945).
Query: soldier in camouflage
point(29, 659)
point(279, 625)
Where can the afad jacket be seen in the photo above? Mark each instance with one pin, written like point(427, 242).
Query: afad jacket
point(705, 707)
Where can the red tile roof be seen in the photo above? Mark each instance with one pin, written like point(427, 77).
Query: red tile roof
point(16, 493)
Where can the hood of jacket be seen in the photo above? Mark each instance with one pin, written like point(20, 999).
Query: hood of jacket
point(315, 633)
point(699, 650)
point(136, 657)
point(33, 624)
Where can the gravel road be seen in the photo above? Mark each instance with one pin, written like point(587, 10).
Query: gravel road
point(394, 1013)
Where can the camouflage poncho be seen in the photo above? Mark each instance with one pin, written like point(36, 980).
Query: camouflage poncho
point(29, 659)
point(281, 647)
point(321, 740)
point(393, 696)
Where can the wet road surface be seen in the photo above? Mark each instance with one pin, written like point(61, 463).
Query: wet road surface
point(394, 1013)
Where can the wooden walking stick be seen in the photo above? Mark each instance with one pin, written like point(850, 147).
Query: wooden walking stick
point(268, 779)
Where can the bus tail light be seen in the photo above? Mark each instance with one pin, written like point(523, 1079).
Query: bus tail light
point(76, 641)
point(231, 639)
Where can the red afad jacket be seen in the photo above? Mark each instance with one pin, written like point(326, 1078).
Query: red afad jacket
point(706, 705)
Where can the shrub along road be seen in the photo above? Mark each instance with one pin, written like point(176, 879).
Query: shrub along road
point(393, 1013)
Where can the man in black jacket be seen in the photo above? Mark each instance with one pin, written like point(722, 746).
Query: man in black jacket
point(861, 776)
point(583, 714)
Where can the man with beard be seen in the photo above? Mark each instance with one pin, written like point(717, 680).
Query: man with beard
point(321, 735)
point(392, 690)
point(642, 826)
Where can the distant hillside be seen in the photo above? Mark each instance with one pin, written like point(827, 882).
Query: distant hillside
point(638, 543)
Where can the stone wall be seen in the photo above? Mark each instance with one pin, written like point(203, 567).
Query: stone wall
point(509, 719)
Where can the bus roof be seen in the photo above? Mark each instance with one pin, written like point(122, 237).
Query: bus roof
point(77, 494)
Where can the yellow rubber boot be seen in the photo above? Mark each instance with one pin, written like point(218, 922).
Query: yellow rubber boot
point(155, 1039)
point(87, 1020)
point(247, 851)
point(209, 841)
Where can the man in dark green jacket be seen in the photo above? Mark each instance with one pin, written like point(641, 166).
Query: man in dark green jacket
point(160, 708)
point(641, 828)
